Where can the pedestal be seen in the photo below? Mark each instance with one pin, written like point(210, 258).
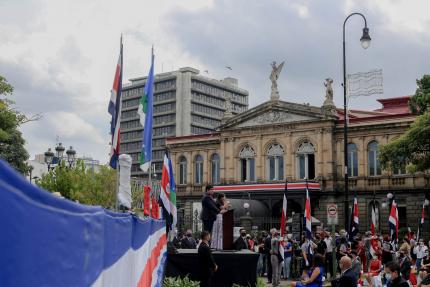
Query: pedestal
point(246, 222)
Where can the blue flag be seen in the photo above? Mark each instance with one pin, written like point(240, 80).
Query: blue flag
point(145, 113)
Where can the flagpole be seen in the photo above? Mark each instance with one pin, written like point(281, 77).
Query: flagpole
point(119, 115)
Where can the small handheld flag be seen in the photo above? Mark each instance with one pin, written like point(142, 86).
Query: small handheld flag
point(393, 222)
point(421, 223)
point(308, 216)
point(373, 224)
point(355, 220)
point(284, 210)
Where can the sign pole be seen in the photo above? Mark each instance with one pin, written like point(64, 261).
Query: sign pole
point(333, 253)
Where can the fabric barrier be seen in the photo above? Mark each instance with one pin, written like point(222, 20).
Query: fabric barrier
point(50, 241)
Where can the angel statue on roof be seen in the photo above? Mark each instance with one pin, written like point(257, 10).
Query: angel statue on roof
point(274, 75)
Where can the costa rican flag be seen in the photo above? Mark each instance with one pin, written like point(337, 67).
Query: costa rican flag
point(355, 220)
point(393, 222)
point(165, 185)
point(308, 216)
point(373, 224)
point(284, 210)
point(421, 224)
point(283, 220)
point(115, 111)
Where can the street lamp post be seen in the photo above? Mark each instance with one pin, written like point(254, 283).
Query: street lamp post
point(55, 159)
point(365, 43)
point(49, 156)
point(71, 153)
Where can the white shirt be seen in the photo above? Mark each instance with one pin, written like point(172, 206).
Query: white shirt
point(329, 242)
point(421, 251)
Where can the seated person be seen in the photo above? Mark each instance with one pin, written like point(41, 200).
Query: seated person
point(312, 277)
point(424, 271)
point(241, 242)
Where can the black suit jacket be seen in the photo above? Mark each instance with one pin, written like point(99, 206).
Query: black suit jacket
point(348, 279)
point(188, 243)
point(209, 208)
point(405, 268)
point(206, 260)
point(240, 243)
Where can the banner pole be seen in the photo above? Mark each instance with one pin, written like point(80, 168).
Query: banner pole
point(117, 186)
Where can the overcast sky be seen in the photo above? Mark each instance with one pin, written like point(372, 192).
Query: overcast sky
point(60, 55)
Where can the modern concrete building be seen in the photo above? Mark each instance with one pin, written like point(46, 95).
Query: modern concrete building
point(185, 103)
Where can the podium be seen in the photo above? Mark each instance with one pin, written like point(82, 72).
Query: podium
point(227, 230)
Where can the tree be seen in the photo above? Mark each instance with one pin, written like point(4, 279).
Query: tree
point(419, 103)
point(11, 141)
point(413, 148)
point(82, 185)
point(87, 186)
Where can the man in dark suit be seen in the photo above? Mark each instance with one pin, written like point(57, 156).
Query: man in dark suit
point(209, 209)
point(347, 277)
point(207, 263)
point(267, 248)
point(241, 242)
point(188, 241)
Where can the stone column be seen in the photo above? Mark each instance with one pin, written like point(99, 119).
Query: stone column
point(259, 163)
point(320, 157)
point(289, 157)
point(206, 169)
point(223, 161)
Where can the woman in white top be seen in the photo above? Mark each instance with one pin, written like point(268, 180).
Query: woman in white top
point(216, 234)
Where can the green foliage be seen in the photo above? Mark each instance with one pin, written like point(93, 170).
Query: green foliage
point(180, 282)
point(413, 147)
point(11, 142)
point(421, 100)
point(85, 186)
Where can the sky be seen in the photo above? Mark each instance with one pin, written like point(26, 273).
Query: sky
point(60, 56)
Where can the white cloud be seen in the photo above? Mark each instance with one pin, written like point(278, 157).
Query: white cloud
point(60, 55)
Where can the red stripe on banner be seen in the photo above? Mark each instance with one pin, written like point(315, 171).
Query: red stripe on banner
point(266, 186)
point(146, 277)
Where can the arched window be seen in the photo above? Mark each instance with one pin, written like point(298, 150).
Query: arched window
point(372, 156)
point(182, 170)
point(275, 162)
point(247, 163)
point(199, 169)
point(215, 164)
point(306, 161)
point(352, 160)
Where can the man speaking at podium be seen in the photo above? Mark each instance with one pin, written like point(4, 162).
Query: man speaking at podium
point(209, 209)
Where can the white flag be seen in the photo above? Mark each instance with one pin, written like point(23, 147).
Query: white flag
point(124, 194)
point(364, 84)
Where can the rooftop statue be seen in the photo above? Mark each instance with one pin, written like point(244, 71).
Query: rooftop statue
point(274, 75)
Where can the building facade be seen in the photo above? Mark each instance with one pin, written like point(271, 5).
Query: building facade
point(278, 141)
point(185, 103)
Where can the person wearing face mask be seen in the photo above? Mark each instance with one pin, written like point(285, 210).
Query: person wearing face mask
point(421, 251)
point(275, 259)
point(392, 275)
point(241, 242)
point(188, 242)
point(405, 265)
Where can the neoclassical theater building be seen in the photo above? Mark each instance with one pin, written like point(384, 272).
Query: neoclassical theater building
point(253, 153)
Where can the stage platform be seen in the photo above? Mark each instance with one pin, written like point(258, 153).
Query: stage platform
point(238, 267)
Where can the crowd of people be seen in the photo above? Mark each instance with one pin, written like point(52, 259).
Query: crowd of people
point(365, 260)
